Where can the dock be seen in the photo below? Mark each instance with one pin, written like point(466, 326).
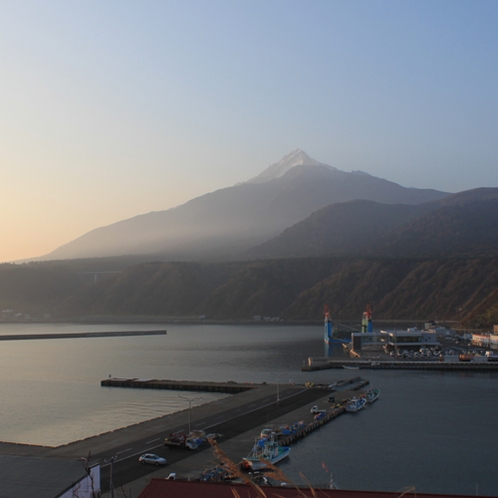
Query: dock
point(239, 419)
point(180, 385)
point(324, 363)
point(331, 414)
point(79, 335)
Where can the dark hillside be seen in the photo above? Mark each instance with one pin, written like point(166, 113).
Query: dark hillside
point(469, 229)
point(35, 289)
point(463, 224)
point(404, 289)
point(463, 289)
point(342, 228)
point(220, 291)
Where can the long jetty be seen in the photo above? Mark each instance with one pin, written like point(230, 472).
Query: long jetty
point(179, 385)
point(313, 426)
point(79, 335)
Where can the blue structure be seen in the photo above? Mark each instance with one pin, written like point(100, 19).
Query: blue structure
point(328, 331)
point(366, 321)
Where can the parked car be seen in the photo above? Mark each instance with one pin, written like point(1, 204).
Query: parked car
point(152, 459)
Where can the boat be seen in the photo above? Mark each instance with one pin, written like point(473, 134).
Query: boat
point(265, 450)
point(350, 367)
point(372, 395)
point(355, 405)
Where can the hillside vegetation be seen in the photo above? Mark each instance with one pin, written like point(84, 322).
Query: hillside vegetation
point(463, 289)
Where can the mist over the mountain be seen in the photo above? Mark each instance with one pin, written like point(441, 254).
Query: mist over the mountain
point(229, 221)
point(464, 223)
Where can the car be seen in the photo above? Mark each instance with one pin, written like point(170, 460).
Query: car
point(152, 459)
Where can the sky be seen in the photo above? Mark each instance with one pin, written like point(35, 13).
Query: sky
point(114, 108)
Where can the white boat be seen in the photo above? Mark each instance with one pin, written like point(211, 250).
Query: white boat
point(372, 395)
point(265, 450)
point(356, 404)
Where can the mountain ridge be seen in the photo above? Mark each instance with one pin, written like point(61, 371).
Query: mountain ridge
point(240, 216)
point(461, 223)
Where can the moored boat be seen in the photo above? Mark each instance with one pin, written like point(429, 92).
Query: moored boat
point(355, 405)
point(372, 395)
point(265, 450)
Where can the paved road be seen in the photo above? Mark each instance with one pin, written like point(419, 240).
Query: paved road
point(234, 420)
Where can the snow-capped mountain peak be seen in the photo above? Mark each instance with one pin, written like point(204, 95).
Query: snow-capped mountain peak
point(295, 158)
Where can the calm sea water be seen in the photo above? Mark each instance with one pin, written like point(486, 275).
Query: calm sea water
point(435, 432)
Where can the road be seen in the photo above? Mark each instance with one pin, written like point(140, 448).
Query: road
point(237, 419)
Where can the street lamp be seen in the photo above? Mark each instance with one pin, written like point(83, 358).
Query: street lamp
point(189, 407)
point(278, 385)
point(111, 480)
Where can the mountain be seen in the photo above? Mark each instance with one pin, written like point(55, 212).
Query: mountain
point(460, 224)
point(340, 228)
point(469, 229)
point(224, 223)
point(295, 158)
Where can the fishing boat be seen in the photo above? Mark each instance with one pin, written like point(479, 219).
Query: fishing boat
point(355, 405)
point(372, 395)
point(265, 450)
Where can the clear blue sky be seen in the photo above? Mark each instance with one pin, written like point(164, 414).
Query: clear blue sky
point(115, 108)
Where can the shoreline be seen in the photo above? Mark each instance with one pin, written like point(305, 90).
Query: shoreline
point(119, 320)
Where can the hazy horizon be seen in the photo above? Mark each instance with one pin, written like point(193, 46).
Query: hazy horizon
point(116, 109)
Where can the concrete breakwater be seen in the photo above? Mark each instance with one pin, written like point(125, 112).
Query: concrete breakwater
point(313, 364)
point(79, 335)
point(179, 385)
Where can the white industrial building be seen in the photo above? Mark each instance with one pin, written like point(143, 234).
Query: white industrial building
point(489, 341)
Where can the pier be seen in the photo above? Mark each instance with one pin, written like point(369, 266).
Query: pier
point(237, 418)
point(313, 426)
point(180, 385)
point(79, 335)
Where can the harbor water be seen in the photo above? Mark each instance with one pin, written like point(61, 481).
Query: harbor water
point(434, 432)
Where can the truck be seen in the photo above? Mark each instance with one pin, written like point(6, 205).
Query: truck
point(181, 441)
point(316, 410)
point(491, 356)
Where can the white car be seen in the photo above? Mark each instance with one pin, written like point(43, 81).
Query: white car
point(152, 459)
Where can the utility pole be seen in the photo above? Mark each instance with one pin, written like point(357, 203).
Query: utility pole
point(278, 385)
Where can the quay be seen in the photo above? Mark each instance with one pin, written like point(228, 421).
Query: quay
point(239, 431)
point(79, 335)
point(238, 419)
point(180, 385)
point(324, 363)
